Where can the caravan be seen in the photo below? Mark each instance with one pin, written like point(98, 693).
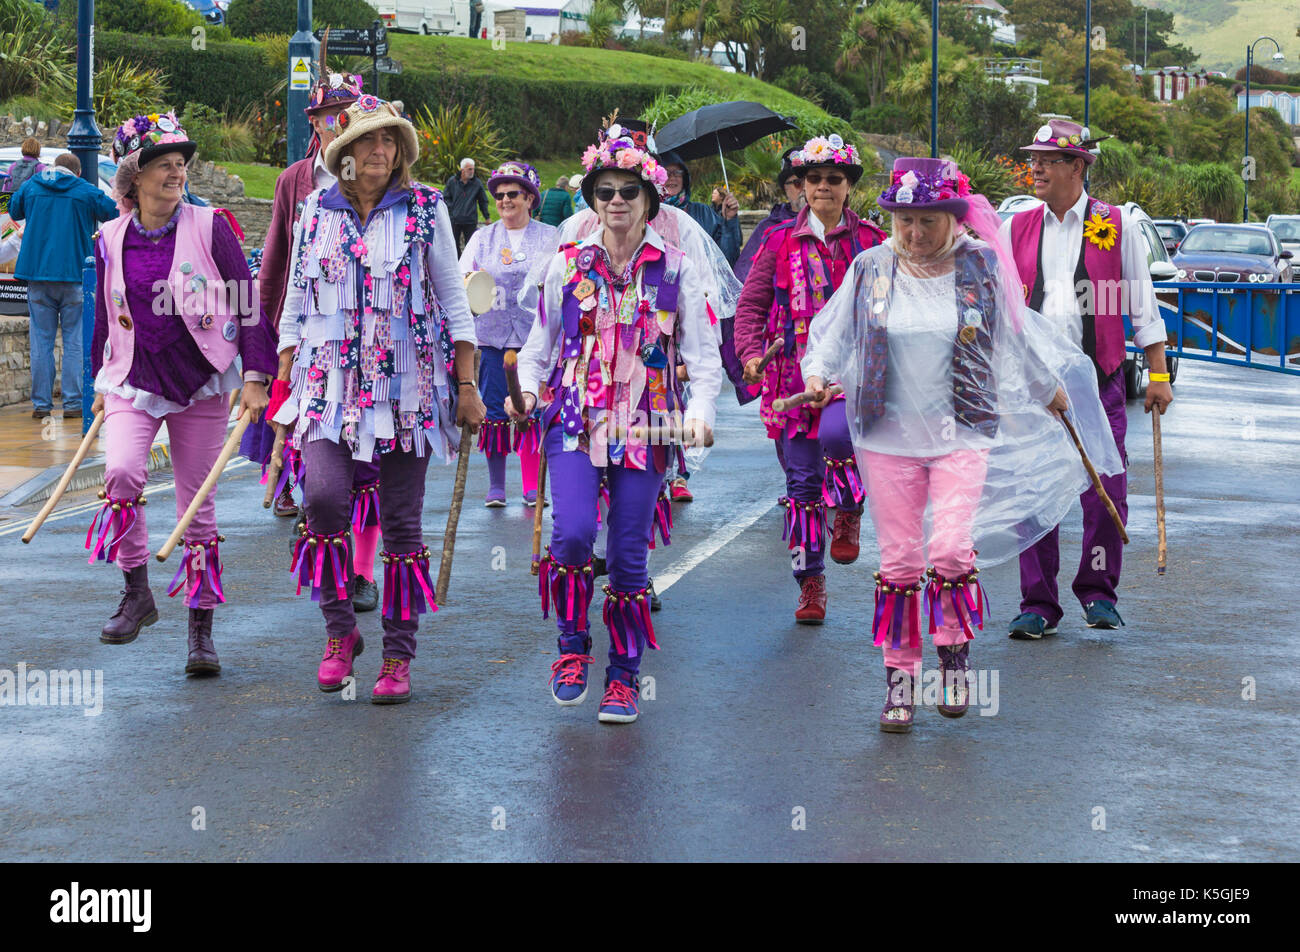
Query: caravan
point(444, 17)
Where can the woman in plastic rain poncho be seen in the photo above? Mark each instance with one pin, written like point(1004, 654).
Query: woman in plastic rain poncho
point(953, 388)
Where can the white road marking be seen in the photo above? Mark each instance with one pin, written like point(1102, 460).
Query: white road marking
point(82, 508)
point(707, 548)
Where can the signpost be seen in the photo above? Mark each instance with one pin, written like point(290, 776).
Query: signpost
point(303, 48)
point(372, 42)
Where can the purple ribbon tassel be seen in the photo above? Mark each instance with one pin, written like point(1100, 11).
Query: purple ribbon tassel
point(628, 621)
point(528, 437)
point(200, 571)
point(892, 611)
point(408, 589)
point(569, 587)
point(663, 520)
point(113, 527)
point(309, 561)
point(365, 508)
point(842, 485)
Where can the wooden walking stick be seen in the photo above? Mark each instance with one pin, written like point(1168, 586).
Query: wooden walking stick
point(1161, 546)
point(227, 451)
point(536, 565)
point(807, 396)
point(277, 464)
point(770, 354)
point(453, 514)
point(62, 487)
point(1096, 480)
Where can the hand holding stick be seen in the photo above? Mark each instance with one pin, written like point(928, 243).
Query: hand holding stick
point(511, 364)
point(61, 488)
point(799, 399)
point(277, 464)
point(1096, 480)
point(227, 451)
point(770, 354)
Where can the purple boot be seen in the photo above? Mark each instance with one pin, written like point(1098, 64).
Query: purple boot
point(136, 611)
point(203, 653)
point(954, 663)
point(897, 716)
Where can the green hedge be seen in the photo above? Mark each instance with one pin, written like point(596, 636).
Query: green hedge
point(536, 118)
point(248, 18)
point(199, 76)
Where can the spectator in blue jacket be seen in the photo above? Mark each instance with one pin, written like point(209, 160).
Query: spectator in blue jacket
point(723, 228)
point(61, 210)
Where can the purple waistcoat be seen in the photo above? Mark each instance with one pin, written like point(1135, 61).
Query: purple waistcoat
point(509, 324)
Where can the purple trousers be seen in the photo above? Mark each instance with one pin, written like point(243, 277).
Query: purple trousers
point(1103, 549)
point(803, 460)
point(575, 483)
point(327, 499)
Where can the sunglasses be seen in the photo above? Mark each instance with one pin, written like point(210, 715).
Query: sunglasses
point(605, 193)
point(503, 194)
point(816, 178)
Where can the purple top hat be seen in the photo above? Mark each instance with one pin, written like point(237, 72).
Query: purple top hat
point(520, 172)
point(933, 184)
point(1068, 138)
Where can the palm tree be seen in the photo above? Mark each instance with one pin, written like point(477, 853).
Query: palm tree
point(879, 40)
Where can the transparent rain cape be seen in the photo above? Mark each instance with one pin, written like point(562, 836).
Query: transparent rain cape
point(996, 364)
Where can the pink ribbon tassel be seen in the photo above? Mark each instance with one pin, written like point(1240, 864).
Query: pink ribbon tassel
point(113, 527)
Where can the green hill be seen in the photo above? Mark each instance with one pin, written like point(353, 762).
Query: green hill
point(1220, 30)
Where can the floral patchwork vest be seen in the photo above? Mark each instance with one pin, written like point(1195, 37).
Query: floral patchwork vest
point(374, 361)
point(618, 356)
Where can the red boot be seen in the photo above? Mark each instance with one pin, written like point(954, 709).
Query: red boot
point(844, 536)
point(811, 609)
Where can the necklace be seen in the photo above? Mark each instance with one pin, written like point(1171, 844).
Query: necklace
point(153, 234)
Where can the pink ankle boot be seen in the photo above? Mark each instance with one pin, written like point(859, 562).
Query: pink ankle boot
point(337, 663)
point(394, 684)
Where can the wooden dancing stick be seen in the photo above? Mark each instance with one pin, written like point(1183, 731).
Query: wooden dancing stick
point(457, 498)
point(659, 436)
point(511, 364)
point(1096, 480)
point(799, 399)
point(770, 354)
point(535, 565)
point(62, 487)
point(234, 399)
point(1162, 549)
point(227, 451)
point(277, 464)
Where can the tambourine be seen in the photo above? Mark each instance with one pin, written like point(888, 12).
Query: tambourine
point(481, 289)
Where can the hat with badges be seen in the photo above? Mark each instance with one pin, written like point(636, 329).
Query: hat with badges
point(332, 89)
point(519, 172)
point(933, 184)
point(1066, 137)
point(828, 152)
point(148, 137)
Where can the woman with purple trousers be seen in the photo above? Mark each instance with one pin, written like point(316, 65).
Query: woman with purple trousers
point(617, 310)
point(175, 307)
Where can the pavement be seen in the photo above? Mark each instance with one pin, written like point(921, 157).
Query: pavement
point(1168, 739)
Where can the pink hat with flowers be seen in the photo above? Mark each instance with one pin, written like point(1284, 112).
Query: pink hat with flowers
point(932, 184)
point(1066, 137)
point(619, 149)
point(829, 152)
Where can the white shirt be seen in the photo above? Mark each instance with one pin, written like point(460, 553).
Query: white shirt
point(321, 177)
point(1062, 241)
point(697, 345)
point(818, 229)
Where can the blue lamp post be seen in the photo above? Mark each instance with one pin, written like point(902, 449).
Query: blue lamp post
point(1245, 179)
point(84, 142)
point(303, 48)
point(934, 79)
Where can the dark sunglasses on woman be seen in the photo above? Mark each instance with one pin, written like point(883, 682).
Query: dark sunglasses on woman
point(503, 194)
point(816, 178)
point(605, 193)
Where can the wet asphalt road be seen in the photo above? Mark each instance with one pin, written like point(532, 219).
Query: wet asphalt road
point(757, 723)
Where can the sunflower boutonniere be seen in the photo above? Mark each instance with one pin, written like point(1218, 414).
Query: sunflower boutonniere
point(1100, 231)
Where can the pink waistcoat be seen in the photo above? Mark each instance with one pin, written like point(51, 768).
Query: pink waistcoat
point(1106, 342)
point(197, 295)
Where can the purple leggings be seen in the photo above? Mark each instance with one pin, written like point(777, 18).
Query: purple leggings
point(327, 499)
point(803, 461)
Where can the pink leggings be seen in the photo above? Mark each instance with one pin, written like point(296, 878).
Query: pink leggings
point(196, 435)
point(898, 488)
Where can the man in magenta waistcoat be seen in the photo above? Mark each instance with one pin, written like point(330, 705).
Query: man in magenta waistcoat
point(1082, 264)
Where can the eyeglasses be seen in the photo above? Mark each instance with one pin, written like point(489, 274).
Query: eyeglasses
point(676, 173)
point(1035, 163)
point(605, 193)
point(816, 178)
point(503, 195)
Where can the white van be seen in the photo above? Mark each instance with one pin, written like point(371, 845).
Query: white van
point(443, 17)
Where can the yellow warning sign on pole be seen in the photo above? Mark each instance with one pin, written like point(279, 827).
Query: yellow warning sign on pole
point(300, 72)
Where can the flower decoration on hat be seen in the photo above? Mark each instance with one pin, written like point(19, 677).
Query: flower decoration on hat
point(368, 103)
point(908, 187)
point(617, 148)
point(147, 130)
point(820, 150)
point(1100, 231)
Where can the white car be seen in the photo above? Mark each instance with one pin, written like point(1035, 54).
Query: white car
point(107, 167)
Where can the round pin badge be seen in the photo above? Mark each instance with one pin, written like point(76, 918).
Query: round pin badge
point(967, 334)
point(117, 298)
point(972, 317)
point(166, 125)
point(585, 289)
point(230, 330)
point(108, 350)
point(186, 267)
point(125, 321)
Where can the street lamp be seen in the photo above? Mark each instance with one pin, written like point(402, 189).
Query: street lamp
point(303, 50)
point(934, 79)
point(84, 141)
point(1247, 171)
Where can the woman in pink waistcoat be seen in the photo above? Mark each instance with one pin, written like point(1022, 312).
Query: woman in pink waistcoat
point(175, 307)
point(802, 262)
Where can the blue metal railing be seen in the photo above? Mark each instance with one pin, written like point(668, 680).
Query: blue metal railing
point(1243, 324)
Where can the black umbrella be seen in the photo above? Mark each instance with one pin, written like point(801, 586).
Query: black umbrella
point(724, 127)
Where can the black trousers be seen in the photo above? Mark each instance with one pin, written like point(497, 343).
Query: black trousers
point(461, 231)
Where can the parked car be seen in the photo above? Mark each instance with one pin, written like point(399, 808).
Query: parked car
point(1158, 265)
point(1172, 232)
point(1287, 230)
point(107, 167)
point(211, 11)
point(1228, 252)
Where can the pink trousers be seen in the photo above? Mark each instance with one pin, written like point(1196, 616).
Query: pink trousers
point(196, 435)
point(898, 488)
